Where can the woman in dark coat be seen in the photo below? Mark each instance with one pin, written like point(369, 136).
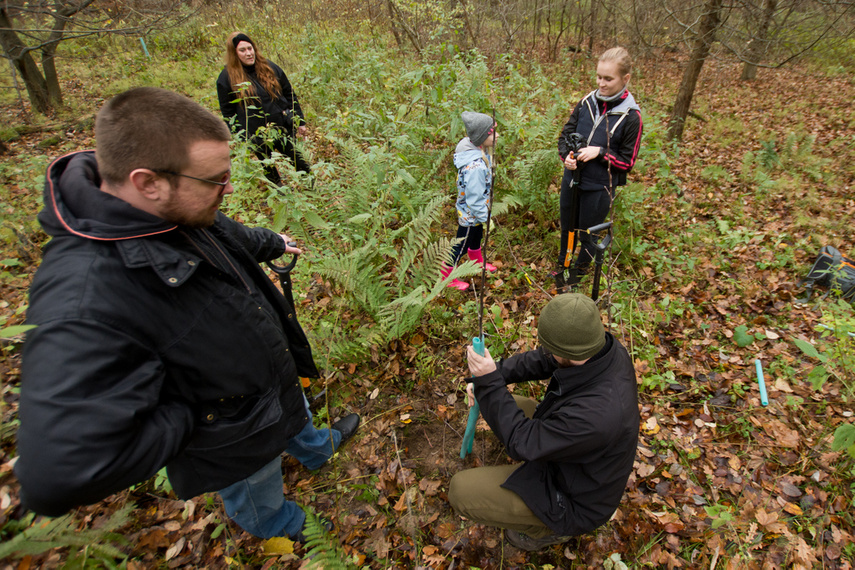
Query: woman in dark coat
point(253, 93)
point(598, 147)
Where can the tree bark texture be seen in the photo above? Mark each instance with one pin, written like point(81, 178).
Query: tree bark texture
point(20, 56)
point(709, 24)
point(393, 24)
point(757, 45)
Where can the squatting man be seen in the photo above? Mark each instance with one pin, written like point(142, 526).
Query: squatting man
point(159, 340)
point(577, 446)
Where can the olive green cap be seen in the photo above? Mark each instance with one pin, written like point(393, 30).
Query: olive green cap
point(570, 327)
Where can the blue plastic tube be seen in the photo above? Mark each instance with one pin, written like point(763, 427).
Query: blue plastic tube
point(764, 399)
point(474, 411)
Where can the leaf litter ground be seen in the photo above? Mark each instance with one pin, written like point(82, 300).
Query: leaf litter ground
point(718, 481)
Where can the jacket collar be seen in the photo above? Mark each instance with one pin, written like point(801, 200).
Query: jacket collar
point(76, 206)
point(574, 377)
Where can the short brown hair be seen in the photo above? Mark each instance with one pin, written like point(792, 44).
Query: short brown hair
point(147, 127)
point(620, 56)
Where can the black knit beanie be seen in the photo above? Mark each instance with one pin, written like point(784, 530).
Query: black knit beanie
point(570, 327)
point(240, 38)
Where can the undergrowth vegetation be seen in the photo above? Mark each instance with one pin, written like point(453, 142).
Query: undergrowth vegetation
point(710, 240)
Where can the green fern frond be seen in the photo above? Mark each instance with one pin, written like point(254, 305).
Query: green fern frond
point(418, 234)
point(360, 273)
point(62, 532)
point(322, 550)
point(506, 203)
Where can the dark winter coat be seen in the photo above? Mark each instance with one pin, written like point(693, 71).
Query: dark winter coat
point(579, 447)
point(619, 143)
point(263, 109)
point(155, 345)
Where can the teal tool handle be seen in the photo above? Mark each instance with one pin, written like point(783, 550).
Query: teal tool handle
point(469, 434)
point(474, 411)
point(764, 399)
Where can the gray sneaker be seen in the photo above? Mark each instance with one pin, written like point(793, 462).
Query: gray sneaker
point(525, 542)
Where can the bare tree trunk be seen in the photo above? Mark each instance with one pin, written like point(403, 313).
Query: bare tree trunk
point(709, 24)
point(467, 25)
point(54, 91)
point(48, 59)
point(561, 27)
point(592, 24)
point(757, 45)
point(20, 56)
point(399, 23)
point(393, 24)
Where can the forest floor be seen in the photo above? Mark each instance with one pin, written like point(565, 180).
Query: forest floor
point(719, 481)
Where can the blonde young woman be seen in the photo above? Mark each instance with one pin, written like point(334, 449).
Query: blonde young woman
point(608, 120)
point(255, 92)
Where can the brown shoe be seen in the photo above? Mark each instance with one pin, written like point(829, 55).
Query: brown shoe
point(525, 542)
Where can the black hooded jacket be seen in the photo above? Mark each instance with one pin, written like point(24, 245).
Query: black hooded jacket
point(154, 345)
point(616, 128)
point(579, 447)
point(264, 108)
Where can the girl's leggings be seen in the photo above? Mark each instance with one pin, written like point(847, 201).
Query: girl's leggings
point(471, 239)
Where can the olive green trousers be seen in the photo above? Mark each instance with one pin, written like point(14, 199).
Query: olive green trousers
point(477, 494)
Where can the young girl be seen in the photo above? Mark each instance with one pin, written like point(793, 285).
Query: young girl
point(474, 183)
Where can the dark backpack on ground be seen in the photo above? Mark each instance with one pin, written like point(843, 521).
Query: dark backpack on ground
point(831, 270)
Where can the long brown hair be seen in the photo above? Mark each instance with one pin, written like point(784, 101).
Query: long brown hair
point(237, 74)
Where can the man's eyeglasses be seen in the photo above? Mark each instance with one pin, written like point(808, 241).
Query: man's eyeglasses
point(222, 182)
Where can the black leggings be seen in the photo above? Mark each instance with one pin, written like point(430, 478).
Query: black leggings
point(594, 206)
point(471, 239)
point(282, 144)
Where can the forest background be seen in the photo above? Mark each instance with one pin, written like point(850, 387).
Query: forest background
point(746, 169)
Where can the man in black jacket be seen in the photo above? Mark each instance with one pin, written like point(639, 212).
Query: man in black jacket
point(159, 340)
point(577, 446)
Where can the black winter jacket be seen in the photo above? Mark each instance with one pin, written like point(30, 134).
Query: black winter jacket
point(155, 345)
point(579, 447)
point(263, 109)
point(619, 144)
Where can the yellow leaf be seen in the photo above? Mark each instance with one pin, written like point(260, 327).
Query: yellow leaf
point(278, 545)
point(651, 427)
point(793, 509)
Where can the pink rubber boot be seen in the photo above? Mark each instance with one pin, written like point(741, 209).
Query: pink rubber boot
point(456, 283)
point(475, 255)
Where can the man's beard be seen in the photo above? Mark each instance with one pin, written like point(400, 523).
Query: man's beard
point(174, 213)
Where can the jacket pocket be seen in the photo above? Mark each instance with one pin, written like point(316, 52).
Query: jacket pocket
point(226, 431)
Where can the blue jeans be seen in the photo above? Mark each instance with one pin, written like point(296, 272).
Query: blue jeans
point(257, 504)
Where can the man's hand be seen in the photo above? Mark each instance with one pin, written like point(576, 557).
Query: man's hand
point(480, 365)
point(470, 393)
point(288, 247)
point(301, 131)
